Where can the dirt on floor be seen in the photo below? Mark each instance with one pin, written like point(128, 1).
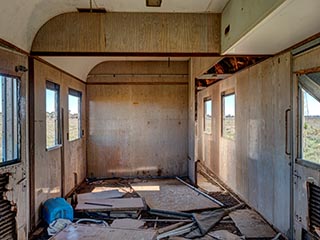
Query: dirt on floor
point(154, 222)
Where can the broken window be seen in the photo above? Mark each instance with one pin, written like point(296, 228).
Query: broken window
point(228, 115)
point(207, 115)
point(10, 121)
point(74, 101)
point(309, 86)
point(52, 114)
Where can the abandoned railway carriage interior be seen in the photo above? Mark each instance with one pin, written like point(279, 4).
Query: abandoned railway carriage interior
point(160, 119)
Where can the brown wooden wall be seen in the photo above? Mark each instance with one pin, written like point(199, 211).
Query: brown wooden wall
point(48, 163)
point(130, 33)
point(197, 66)
point(18, 180)
point(254, 165)
point(138, 123)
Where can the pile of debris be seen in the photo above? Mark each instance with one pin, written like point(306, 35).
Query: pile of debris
point(158, 209)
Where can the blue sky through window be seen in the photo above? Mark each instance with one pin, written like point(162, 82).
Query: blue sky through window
point(229, 105)
point(208, 107)
point(50, 102)
point(311, 105)
point(73, 104)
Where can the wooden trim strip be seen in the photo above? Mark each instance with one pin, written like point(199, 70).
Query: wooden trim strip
point(306, 71)
point(31, 140)
point(11, 46)
point(137, 83)
point(125, 54)
point(299, 44)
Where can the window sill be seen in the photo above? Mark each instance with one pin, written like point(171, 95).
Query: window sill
point(12, 163)
point(207, 133)
point(74, 140)
point(308, 164)
point(228, 138)
point(53, 148)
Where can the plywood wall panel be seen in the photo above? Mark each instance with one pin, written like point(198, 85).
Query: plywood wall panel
point(307, 60)
point(130, 32)
point(48, 162)
point(254, 165)
point(138, 130)
point(197, 66)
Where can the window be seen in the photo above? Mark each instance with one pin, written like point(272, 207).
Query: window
point(309, 121)
point(228, 115)
point(52, 117)
point(10, 121)
point(74, 115)
point(207, 115)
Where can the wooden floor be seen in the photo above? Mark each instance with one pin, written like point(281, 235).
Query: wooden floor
point(171, 195)
point(85, 232)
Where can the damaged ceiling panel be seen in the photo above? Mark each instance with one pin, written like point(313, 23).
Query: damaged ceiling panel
point(225, 68)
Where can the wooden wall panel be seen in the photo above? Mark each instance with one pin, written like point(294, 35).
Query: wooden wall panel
point(138, 130)
point(130, 33)
point(254, 165)
point(197, 66)
point(75, 151)
point(18, 179)
point(48, 162)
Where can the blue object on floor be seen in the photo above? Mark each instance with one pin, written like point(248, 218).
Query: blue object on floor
point(55, 208)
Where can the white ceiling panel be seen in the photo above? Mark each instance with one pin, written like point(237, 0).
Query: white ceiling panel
point(291, 23)
point(81, 66)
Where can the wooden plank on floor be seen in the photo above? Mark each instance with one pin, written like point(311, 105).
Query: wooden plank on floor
point(118, 204)
point(127, 223)
point(251, 225)
point(171, 195)
point(83, 232)
point(100, 195)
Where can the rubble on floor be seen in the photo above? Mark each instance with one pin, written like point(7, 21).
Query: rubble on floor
point(161, 209)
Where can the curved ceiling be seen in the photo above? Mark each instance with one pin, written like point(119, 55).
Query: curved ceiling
point(80, 67)
point(20, 20)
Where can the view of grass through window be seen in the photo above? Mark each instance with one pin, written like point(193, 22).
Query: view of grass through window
point(74, 115)
point(52, 115)
point(228, 116)
point(9, 120)
point(208, 115)
point(310, 128)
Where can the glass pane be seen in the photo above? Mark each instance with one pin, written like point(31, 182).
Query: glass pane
point(207, 115)
point(9, 124)
point(310, 128)
point(74, 117)
point(228, 123)
point(51, 117)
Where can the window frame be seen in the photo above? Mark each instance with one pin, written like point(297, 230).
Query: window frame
point(50, 85)
point(4, 162)
point(225, 94)
point(75, 93)
point(300, 158)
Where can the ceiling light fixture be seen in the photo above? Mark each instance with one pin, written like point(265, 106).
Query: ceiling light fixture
point(153, 3)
